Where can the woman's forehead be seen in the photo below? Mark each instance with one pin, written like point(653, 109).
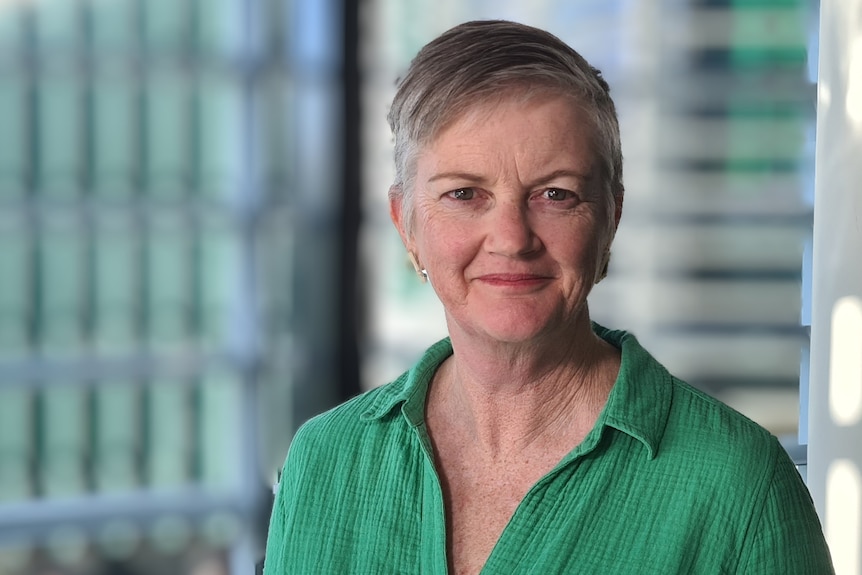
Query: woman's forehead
point(479, 107)
point(539, 130)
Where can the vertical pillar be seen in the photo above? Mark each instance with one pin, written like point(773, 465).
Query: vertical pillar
point(835, 432)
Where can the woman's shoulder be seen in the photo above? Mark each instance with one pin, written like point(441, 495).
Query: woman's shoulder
point(704, 429)
point(347, 419)
point(371, 411)
point(713, 417)
point(679, 419)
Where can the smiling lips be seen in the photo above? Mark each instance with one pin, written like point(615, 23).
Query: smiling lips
point(514, 280)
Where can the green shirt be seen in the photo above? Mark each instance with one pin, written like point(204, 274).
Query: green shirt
point(668, 481)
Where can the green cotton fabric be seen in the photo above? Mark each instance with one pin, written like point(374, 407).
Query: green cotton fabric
point(668, 481)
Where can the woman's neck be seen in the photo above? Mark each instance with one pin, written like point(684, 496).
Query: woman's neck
point(507, 398)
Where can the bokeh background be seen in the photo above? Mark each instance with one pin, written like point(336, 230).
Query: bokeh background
point(195, 252)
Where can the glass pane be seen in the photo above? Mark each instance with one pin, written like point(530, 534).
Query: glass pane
point(117, 426)
point(113, 27)
point(13, 136)
point(166, 27)
point(221, 136)
point(219, 271)
point(58, 26)
point(118, 269)
point(14, 296)
point(11, 30)
point(168, 283)
point(278, 271)
point(169, 440)
point(64, 433)
point(16, 443)
point(774, 143)
point(220, 408)
point(276, 138)
point(769, 36)
point(114, 135)
point(168, 135)
point(63, 283)
point(219, 24)
point(61, 136)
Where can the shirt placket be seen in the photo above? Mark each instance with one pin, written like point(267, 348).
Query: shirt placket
point(433, 528)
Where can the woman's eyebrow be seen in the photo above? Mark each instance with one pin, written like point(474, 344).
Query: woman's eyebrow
point(563, 173)
point(465, 176)
point(475, 178)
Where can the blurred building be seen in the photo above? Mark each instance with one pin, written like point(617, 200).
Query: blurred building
point(168, 170)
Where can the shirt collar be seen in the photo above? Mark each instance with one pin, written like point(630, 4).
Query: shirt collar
point(639, 403)
point(411, 388)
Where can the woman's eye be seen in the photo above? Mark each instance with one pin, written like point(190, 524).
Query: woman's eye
point(462, 194)
point(556, 195)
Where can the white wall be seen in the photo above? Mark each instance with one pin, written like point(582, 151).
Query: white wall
point(835, 434)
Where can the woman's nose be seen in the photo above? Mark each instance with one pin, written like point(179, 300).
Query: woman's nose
point(509, 232)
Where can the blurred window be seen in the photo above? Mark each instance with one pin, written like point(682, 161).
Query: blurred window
point(158, 161)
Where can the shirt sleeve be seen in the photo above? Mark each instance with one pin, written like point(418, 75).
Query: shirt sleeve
point(276, 555)
point(272, 562)
point(786, 538)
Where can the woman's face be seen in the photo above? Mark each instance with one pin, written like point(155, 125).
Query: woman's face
point(510, 219)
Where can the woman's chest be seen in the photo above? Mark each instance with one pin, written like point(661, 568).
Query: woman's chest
point(476, 516)
point(480, 500)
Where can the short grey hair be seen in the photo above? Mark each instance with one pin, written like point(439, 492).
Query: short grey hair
point(479, 61)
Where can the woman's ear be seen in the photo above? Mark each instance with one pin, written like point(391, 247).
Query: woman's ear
point(396, 213)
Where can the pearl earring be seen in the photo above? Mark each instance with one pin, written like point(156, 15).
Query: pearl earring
point(421, 272)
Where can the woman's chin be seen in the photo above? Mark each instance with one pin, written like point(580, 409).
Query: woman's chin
point(511, 328)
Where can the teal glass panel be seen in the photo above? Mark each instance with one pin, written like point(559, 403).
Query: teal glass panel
point(114, 135)
point(17, 420)
point(768, 36)
point(62, 285)
point(113, 27)
point(14, 293)
point(277, 269)
point(278, 144)
point(169, 445)
point(166, 25)
point(220, 431)
point(220, 137)
point(60, 136)
point(765, 141)
point(11, 31)
point(219, 270)
point(168, 135)
point(64, 422)
point(117, 436)
point(776, 26)
point(219, 26)
point(13, 135)
point(58, 27)
point(117, 271)
point(168, 284)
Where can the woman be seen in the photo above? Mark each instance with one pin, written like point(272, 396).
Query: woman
point(531, 440)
